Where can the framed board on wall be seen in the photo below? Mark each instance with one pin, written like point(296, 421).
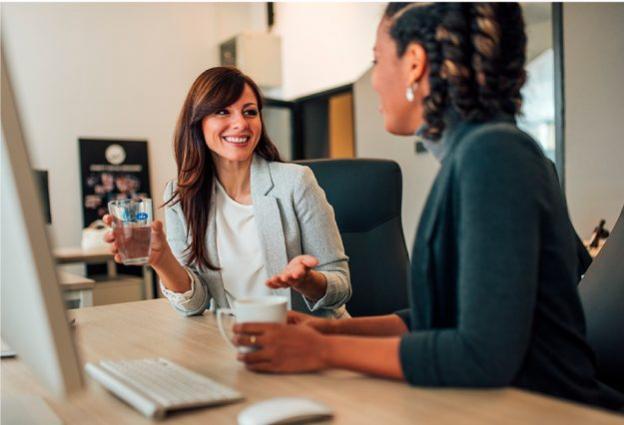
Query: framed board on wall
point(110, 170)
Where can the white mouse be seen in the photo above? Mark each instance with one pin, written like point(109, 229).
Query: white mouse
point(284, 410)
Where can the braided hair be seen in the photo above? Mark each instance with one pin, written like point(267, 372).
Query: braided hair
point(476, 54)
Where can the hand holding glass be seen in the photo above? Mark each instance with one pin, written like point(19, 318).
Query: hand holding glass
point(132, 219)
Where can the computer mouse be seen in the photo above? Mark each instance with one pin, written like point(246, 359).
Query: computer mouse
point(284, 410)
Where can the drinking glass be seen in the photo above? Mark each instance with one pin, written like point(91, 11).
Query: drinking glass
point(132, 219)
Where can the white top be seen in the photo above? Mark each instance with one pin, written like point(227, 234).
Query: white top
point(239, 251)
point(239, 248)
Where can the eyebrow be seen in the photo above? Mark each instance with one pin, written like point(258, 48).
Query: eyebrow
point(249, 104)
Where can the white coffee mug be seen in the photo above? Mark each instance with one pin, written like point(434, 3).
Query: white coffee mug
point(267, 309)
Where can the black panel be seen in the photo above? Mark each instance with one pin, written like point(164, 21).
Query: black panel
point(315, 122)
point(41, 177)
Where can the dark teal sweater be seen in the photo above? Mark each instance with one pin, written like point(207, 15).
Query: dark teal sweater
point(494, 272)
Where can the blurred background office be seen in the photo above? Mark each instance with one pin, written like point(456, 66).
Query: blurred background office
point(120, 71)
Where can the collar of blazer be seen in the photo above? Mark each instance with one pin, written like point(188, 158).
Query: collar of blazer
point(268, 216)
point(261, 179)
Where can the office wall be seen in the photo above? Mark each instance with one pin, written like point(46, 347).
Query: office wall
point(112, 71)
point(594, 91)
point(324, 45)
point(372, 141)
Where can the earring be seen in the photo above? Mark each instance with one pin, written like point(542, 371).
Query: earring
point(409, 94)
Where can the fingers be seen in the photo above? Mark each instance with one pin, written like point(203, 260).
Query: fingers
point(254, 328)
point(293, 317)
point(157, 226)
point(295, 273)
point(262, 367)
point(107, 219)
point(113, 248)
point(159, 239)
point(276, 283)
point(298, 272)
point(247, 340)
point(309, 261)
point(289, 277)
point(259, 356)
point(279, 281)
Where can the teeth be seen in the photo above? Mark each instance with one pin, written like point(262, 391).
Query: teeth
point(236, 139)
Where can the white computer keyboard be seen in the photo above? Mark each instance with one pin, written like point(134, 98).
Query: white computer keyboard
point(155, 386)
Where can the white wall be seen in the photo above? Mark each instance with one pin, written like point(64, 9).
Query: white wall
point(324, 45)
point(108, 71)
point(594, 91)
point(122, 70)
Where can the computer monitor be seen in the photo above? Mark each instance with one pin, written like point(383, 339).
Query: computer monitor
point(34, 322)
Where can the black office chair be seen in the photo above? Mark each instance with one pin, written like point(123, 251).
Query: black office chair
point(366, 195)
point(602, 295)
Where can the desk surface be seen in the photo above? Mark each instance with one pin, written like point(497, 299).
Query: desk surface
point(151, 328)
point(74, 282)
point(79, 255)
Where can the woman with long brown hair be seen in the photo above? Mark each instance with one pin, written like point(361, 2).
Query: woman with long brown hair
point(494, 265)
point(240, 222)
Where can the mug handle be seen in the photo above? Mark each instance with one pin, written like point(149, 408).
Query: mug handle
point(221, 312)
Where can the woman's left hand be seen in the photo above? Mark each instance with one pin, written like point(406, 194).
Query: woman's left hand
point(281, 348)
point(298, 274)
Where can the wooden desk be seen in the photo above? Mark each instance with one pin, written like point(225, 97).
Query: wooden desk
point(151, 328)
point(76, 287)
point(93, 256)
point(87, 256)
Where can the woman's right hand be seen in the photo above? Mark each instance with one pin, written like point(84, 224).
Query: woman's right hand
point(159, 247)
point(324, 326)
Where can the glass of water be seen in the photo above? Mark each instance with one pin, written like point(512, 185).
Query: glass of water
point(132, 219)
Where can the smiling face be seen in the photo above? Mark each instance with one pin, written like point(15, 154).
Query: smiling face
point(232, 133)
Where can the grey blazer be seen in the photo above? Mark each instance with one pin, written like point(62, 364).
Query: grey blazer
point(293, 218)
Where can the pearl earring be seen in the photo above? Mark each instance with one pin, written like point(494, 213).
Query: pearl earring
point(409, 94)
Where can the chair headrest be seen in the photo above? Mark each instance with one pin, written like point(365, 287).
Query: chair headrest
point(364, 192)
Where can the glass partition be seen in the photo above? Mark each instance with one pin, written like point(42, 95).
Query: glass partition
point(538, 115)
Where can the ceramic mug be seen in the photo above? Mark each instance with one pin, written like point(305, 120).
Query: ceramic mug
point(264, 309)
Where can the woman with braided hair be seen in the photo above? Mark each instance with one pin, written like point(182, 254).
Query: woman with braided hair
point(494, 267)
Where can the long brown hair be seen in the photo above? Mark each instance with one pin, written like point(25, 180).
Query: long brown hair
point(215, 89)
point(476, 56)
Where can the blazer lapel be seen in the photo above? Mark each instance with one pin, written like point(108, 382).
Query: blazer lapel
point(270, 229)
point(214, 279)
point(439, 187)
point(419, 290)
point(268, 217)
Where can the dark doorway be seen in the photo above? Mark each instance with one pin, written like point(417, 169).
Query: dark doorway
point(320, 125)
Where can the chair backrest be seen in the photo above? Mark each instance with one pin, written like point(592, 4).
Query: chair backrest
point(366, 196)
point(602, 295)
